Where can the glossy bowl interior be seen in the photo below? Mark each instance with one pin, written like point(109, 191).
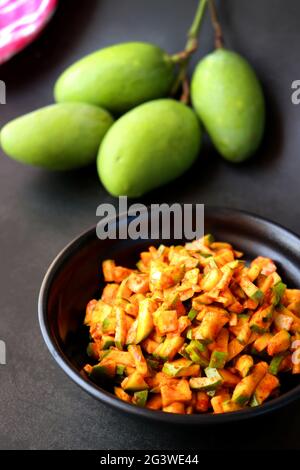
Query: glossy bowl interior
point(74, 278)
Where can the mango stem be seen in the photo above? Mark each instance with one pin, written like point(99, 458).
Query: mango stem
point(185, 96)
point(219, 40)
point(182, 58)
point(194, 30)
point(192, 36)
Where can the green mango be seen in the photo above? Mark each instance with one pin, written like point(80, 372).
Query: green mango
point(148, 147)
point(228, 98)
point(57, 137)
point(118, 77)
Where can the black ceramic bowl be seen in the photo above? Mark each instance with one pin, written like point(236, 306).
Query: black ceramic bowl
point(74, 278)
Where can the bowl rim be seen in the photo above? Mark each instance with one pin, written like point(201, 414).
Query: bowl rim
point(107, 397)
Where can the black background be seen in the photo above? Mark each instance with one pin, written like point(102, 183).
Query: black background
point(40, 212)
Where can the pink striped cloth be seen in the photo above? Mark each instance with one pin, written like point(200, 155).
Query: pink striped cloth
point(20, 22)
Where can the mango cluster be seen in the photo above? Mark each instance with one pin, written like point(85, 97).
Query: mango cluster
point(115, 105)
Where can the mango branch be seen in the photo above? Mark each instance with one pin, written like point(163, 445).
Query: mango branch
point(182, 58)
point(192, 36)
point(185, 96)
point(219, 40)
point(194, 30)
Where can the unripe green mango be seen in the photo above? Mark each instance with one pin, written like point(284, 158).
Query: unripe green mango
point(118, 77)
point(148, 147)
point(228, 98)
point(57, 137)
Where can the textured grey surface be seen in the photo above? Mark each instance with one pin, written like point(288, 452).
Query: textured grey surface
point(40, 212)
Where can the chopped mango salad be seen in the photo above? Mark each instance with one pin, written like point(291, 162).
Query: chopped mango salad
point(193, 329)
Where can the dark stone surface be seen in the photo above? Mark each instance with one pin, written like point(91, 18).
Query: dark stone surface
point(40, 212)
